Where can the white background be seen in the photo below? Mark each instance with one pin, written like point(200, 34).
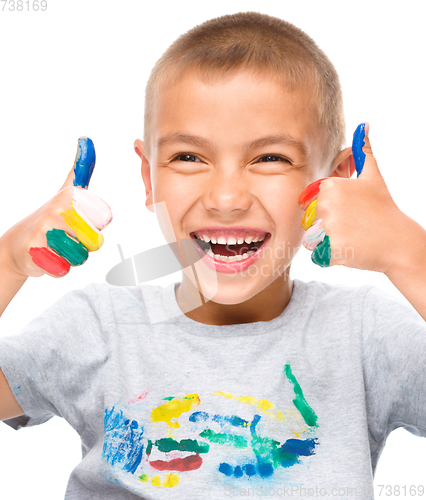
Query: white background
point(80, 68)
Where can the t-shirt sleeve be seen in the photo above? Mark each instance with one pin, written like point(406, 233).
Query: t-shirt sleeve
point(49, 363)
point(394, 350)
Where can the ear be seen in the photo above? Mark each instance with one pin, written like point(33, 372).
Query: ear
point(146, 174)
point(343, 165)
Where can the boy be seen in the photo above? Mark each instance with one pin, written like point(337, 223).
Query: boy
point(272, 386)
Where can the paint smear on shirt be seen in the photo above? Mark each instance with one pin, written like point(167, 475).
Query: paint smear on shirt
point(242, 445)
point(174, 409)
point(299, 401)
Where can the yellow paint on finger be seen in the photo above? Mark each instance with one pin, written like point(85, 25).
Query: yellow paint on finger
point(309, 216)
point(90, 238)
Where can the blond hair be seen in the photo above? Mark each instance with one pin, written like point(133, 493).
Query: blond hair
point(264, 45)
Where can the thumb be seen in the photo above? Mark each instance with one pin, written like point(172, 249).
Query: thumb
point(84, 164)
point(365, 162)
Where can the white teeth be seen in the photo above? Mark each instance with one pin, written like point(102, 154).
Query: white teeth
point(231, 240)
point(233, 258)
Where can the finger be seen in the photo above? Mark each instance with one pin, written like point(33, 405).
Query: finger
point(358, 143)
point(371, 169)
point(90, 237)
point(84, 164)
point(322, 253)
point(67, 247)
point(309, 215)
point(91, 208)
point(309, 194)
point(313, 236)
point(49, 261)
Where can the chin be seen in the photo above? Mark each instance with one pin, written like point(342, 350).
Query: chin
point(236, 293)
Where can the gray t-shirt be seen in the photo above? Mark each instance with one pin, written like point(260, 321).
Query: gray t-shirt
point(297, 406)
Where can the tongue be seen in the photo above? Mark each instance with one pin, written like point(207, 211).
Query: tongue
point(230, 250)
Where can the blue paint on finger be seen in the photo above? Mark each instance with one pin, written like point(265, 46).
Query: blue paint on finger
point(84, 162)
point(357, 145)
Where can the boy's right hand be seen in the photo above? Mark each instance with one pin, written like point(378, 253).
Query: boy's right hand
point(64, 230)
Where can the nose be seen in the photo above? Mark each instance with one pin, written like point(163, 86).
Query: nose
point(227, 192)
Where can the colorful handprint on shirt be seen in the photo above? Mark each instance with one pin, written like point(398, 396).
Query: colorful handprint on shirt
point(256, 438)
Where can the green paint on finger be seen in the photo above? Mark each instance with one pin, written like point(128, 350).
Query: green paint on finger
point(322, 253)
point(68, 248)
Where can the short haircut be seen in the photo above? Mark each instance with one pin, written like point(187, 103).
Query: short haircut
point(263, 45)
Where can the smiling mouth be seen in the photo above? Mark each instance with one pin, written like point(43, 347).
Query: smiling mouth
point(229, 252)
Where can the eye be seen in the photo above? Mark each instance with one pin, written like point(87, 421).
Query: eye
point(272, 158)
point(186, 157)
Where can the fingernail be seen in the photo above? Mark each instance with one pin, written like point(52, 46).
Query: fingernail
point(367, 129)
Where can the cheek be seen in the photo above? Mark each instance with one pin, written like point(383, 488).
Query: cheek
point(287, 219)
point(166, 206)
point(172, 200)
point(280, 200)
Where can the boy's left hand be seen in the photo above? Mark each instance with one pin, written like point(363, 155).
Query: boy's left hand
point(361, 221)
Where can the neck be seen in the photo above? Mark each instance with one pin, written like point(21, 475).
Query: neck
point(264, 306)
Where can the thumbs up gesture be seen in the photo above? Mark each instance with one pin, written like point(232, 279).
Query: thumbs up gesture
point(352, 222)
point(61, 233)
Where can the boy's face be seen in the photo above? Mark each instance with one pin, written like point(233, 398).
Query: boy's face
point(233, 157)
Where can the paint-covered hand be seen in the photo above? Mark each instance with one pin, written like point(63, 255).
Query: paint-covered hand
point(352, 222)
point(62, 232)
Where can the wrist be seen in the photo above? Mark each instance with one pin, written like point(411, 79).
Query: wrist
point(10, 283)
point(407, 254)
point(7, 264)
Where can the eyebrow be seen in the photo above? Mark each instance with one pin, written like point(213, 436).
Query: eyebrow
point(202, 142)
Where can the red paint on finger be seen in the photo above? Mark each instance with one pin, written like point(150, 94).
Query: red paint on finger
point(49, 261)
point(307, 195)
